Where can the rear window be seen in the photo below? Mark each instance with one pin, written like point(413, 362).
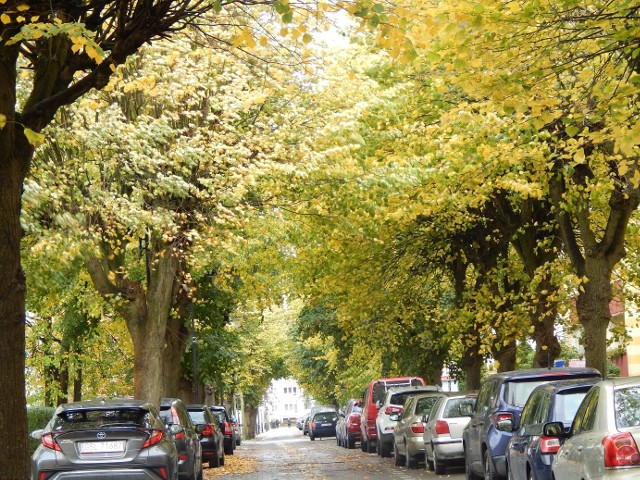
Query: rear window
point(325, 417)
point(219, 415)
point(102, 418)
point(454, 407)
point(400, 398)
point(566, 406)
point(627, 407)
point(517, 393)
point(197, 417)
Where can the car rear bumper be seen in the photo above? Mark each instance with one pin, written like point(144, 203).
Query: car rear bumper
point(449, 449)
point(415, 446)
point(105, 474)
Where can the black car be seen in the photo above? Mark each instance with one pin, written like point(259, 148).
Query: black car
point(174, 413)
point(211, 436)
point(100, 439)
point(323, 424)
point(227, 428)
point(500, 401)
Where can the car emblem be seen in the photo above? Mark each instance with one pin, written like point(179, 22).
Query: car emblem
point(101, 435)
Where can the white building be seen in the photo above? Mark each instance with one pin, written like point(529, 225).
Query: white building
point(285, 400)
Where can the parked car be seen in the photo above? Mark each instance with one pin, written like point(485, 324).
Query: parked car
point(393, 402)
point(530, 452)
point(500, 401)
point(211, 436)
point(92, 438)
point(227, 429)
point(443, 430)
point(348, 426)
point(174, 413)
point(408, 441)
point(323, 424)
point(300, 422)
point(235, 427)
point(603, 441)
point(373, 394)
point(305, 424)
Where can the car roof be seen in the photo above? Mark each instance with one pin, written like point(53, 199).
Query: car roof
point(195, 406)
point(533, 373)
point(106, 404)
point(618, 382)
point(557, 386)
point(425, 388)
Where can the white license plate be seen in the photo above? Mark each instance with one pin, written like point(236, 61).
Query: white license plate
point(327, 424)
point(102, 447)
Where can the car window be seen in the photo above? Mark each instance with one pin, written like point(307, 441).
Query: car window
point(79, 419)
point(517, 393)
point(408, 407)
point(454, 407)
point(530, 412)
point(379, 389)
point(198, 417)
point(585, 417)
point(400, 398)
point(424, 405)
point(566, 405)
point(487, 396)
point(627, 407)
point(325, 417)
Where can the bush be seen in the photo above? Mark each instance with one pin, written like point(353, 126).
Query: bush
point(37, 417)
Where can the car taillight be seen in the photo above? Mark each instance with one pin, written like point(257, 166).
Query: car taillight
point(163, 472)
point(442, 427)
point(227, 429)
point(417, 427)
point(313, 424)
point(49, 441)
point(620, 450)
point(499, 417)
point(208, 431)
point(549, 444)
point(390, 410)
point(179, 435)
point(154, 437)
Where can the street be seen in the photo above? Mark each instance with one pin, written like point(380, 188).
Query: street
point(286, 453)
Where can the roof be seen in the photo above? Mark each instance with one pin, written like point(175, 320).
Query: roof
point(105, 404)
point(568, 384)
point(533, 373)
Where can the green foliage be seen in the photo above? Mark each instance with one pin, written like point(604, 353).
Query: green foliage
point(37, 418)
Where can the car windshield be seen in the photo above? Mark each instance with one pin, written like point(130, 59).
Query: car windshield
point(566, 405)
point(517, 393)
point(627, 407)
point(101, 418)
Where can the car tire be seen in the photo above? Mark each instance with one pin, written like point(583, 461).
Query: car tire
point(312, 438)
point(398, 459)
point(469, 475)
point(409, 461)
point(222, 459)
point(428, 463)
point(438, 467)
point(371, 447)
point(489, 472)
point(215, 462)
point(363, 445)
point(385, 450)
point(351, 442)
point(378, 446)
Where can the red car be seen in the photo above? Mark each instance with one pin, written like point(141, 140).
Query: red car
point(348, 426)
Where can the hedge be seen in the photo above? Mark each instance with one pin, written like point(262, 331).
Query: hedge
point(37, 417)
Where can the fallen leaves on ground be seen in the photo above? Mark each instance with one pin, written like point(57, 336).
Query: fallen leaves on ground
point(233, 465)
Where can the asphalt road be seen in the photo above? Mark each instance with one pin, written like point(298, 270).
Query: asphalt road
point(284, 452)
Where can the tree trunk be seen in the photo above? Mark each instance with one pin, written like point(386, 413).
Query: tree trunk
point(176, 337)
point(77, 384)
point(472, 362)
point(15, 155)
point(250, 421)
point(506, 357)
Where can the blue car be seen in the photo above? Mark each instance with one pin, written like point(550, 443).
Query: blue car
point(500, 402)
point(531, 452)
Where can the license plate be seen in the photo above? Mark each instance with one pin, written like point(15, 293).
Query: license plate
point(327, 424)
point(102, 447)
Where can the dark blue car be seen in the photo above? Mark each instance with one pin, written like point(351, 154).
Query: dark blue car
point(530, 451)
point(323, 424)
point(500, 402)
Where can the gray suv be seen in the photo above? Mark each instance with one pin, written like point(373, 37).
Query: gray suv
point(175, 414)
point(497, 413)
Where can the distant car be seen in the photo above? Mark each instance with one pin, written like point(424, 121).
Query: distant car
point(500, 401)
point(443, 430)
point(408, 441)
point(211, 436)
point(372, 395)
point(323, 424)
point(300, 422)
point(227, 428)
point(530, 452)
point(348, 426)
point(393, 402)
point(174, 413)
point(604, 436)
point(235, 426)
point(305, 424)
point(82, 439)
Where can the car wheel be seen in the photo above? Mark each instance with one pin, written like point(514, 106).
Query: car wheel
point(398, 459)
point(529, 474)
point(385, 450)
point(378, 446)
point(467, 469)
point(371, 447)
point(427, 463)
point(351, 442)
point(438, 466)
point(489, 472)
point(409, 460)
point(363, 445)
point(222, 459)
point(215, 461)
point(311, 437)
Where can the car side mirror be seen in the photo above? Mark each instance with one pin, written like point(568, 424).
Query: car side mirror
point(37, 434)
point(378, 404)
point(175, 429)
point(505, 425)
point(554, 429)
point(394, 417)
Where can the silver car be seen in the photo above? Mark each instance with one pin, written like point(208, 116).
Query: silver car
point(603, 441)
point(408, 442)
point(103, 439)
point(443, 430)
